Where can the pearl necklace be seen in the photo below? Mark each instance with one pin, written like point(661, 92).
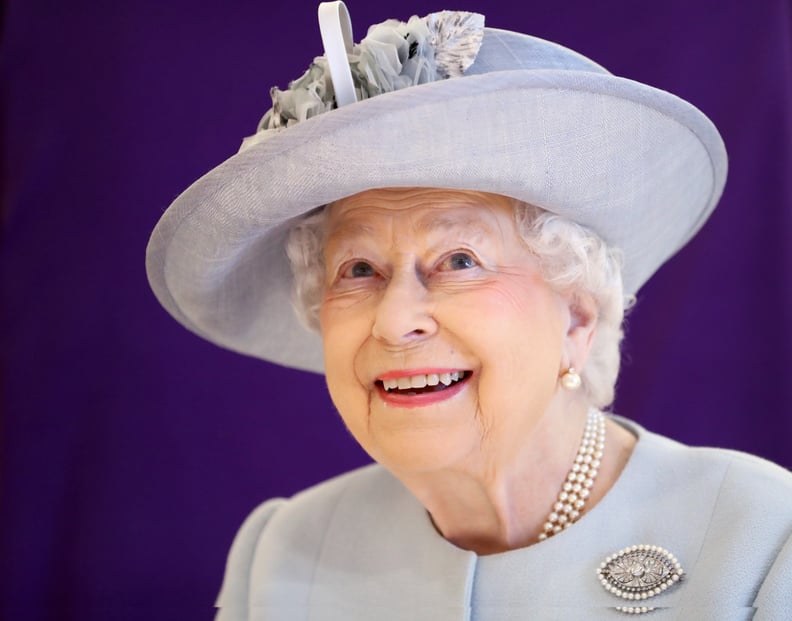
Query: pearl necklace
point(576, 488)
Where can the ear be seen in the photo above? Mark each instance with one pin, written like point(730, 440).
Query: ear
point(583, 315)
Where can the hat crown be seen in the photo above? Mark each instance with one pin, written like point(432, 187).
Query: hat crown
point(398, 55)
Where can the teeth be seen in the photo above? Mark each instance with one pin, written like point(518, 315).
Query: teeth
point(420, 381)
point(404, 382)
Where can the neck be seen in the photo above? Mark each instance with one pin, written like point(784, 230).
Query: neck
point(499, 500)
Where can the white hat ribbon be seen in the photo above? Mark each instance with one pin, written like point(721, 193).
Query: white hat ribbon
point(336, 29)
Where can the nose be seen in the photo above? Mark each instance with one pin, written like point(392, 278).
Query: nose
point(403, 314)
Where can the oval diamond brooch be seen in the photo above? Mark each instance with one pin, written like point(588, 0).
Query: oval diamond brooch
point(639, 572)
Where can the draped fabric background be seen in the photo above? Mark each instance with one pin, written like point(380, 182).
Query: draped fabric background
point(131, 450)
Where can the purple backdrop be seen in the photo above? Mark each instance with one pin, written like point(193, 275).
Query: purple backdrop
point(131, 450)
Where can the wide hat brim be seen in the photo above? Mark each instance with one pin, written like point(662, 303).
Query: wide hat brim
point(639, 166)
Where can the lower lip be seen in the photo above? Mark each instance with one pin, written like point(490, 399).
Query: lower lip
point(423, 399)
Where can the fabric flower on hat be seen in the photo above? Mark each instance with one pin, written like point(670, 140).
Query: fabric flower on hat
point(393, 55)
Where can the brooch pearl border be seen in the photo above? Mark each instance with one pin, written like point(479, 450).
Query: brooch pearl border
point(668, 560)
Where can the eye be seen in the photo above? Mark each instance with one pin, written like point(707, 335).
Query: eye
point(358, 269)
point(458, 261)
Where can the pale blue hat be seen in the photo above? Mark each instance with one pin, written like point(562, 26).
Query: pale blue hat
point(443, 102)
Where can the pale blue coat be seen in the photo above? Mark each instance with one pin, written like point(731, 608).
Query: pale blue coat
point(360, 547)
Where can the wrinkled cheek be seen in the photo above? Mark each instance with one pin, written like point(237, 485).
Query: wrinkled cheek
point(349, 396)
point(510, 403)
point(350, 400)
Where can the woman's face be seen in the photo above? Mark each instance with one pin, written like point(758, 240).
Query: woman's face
point(443, 344)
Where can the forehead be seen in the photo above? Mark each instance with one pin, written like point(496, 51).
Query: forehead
point(423, 209)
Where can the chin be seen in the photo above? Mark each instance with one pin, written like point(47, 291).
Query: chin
point(423, 450)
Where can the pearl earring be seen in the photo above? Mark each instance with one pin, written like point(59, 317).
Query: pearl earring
point(570, 379)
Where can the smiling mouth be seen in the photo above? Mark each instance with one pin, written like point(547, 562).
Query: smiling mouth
point(422, 383)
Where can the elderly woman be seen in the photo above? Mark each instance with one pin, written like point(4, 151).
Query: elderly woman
point(460, 215)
